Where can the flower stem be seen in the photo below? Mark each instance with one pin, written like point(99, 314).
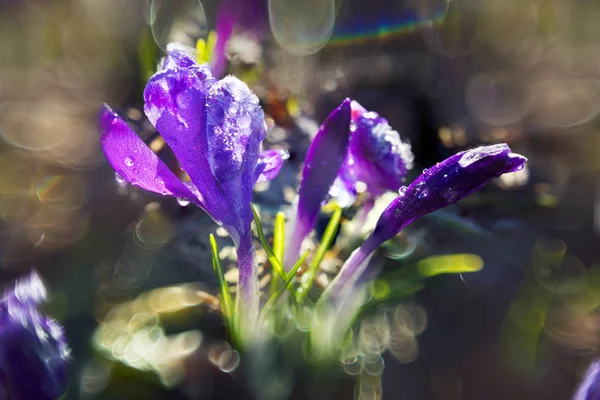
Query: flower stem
point(248, 291)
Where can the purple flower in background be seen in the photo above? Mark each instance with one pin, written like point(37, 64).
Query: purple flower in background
point(589, 388)
point(324, 158)
point(33, 350)
point(248, 15)
point(376, 156)
point(215, 128)
point(443, 184)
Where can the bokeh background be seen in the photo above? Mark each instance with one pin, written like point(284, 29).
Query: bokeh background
point(447, 76)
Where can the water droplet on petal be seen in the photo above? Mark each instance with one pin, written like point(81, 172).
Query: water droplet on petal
point(119, 178)
point(244, 121)
point(183, 202)
point(352, 126)
point(402, 191)
point(284, 154)
point(425, 170)
point(129, 161)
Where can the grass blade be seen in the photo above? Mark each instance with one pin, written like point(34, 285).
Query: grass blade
point(226, 302)
point(278, 245)
point(275, 262)
point(286, 284)
point(326, 241)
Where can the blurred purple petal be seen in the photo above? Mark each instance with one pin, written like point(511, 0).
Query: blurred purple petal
point(135, 162)
point(445, 183)
point(249, 16)
point(33, 350)
point(269, 165)
point(589, 388)
point(323, 161)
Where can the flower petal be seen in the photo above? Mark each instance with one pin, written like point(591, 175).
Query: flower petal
point(269, 165)
point(175, 104)
point(376, 155)
point(135, 162)
point(323, 161)
point(235, 128)
point(177, 58)
point(445, 183)
point(589, 388)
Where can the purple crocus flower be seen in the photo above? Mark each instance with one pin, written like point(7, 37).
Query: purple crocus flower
point(215, 128)
point(376, 156)
point(441, 185)
point(324, 158)
point(589, 388)
point(33, 351)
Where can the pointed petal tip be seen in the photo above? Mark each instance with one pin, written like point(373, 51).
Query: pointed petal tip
point(106, 116)
point(517, 162)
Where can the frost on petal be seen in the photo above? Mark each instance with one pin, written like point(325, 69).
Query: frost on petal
point(269, 165)
point(177, 58)
point(235, 126)
point(235, 131)
point(135, 162)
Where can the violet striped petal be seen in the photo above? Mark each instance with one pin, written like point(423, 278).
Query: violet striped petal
point(135, 162)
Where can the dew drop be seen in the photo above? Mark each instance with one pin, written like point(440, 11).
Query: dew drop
point(402, 191)
point(284, 154)
point(244, 121)
point(352, 126)
point(425, 170)
point(129, 161)
point(119, 178)
point(183, 202)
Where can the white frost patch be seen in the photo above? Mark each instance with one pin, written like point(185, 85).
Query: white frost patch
point(480, 153)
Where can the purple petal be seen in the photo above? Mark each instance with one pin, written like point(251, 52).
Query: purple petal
point(33, 350)
point(178, 58)
point(135, 162)
point(589, 388)
point(376, 155)
point(175, 103)
point(235, 129)
point(323, 161)
point(269, 165)
point(445, 183)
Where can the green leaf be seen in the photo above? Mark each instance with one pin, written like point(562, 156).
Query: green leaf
point(288, 280)
point(326, 241)
point(226, 302)
point(278, 245)
point(275, 262)
point(449, 264)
